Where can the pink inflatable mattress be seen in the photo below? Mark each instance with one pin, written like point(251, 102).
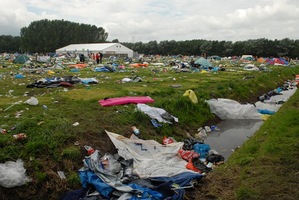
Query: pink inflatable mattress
point(125, 100)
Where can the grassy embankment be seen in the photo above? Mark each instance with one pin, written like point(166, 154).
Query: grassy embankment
point(266, 166)
point(49, 146)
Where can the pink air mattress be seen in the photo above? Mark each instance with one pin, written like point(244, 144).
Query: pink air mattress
point(125, 100)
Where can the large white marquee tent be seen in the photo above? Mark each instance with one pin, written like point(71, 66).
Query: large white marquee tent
point(108, 49)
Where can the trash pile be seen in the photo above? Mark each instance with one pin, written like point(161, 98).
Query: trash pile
point(144, 169)
point(54, 82)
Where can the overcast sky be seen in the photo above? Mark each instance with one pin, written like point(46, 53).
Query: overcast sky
point(149, 20)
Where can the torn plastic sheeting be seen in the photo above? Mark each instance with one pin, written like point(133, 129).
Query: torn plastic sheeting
point(151, 159)
point(155, 113)
point(104, 178)
point(231, 109)
point(88, 177)
point(12, 174)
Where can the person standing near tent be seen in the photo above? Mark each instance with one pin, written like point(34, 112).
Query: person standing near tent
point(101, 57)
point(82, 58)
point(93, 58)
point(97, 58)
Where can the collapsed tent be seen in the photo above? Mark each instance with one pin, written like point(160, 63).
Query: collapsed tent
point(43, 59)
point(151, 158)
point(142, 169)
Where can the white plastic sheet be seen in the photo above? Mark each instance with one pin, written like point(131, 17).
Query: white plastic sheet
point(231, 109)
point(12, 174)
point(151, 159)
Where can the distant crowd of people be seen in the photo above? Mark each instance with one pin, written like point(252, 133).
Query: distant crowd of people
point(95, 57)
point(98, 57)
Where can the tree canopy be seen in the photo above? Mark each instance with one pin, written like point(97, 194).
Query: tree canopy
point(46, 35)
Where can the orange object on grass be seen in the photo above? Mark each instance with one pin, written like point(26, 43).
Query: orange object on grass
point(192, 167)
point(80, 65)
point(139, 65)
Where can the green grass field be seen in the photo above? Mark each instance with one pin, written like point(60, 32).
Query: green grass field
point(51, 136)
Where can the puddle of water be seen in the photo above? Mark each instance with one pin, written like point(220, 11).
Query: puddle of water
point(232, 134)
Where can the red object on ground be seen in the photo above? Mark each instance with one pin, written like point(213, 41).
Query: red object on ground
point(20, 136)
point(188, 155)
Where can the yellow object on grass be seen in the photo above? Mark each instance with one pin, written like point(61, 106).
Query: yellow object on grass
point(51, 72)
point(265, 117)
point(191, 95)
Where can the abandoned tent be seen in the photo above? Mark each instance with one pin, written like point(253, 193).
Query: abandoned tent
point(108, 49)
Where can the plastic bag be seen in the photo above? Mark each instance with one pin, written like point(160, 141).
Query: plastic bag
point(191, 95)
point(32, 101)
point(110, 164)
point(12, 174)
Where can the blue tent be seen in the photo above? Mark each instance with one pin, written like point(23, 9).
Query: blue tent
point(203, 62)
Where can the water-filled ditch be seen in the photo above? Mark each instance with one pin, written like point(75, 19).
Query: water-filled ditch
point(232, 133)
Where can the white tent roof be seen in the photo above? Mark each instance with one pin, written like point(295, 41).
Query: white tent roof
point(105, 48)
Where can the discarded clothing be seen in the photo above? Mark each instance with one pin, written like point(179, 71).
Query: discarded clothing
point(157, 113)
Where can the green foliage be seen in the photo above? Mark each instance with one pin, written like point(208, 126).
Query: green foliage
point(47, 36)
point(245, 194)
point(259, 47)
point(73, 180)
point(72, 153)
point(40, 177)
point(36, 147)
point(245, 160)
point(9, 44)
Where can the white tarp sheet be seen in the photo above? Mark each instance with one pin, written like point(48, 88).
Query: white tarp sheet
point(43, 59)
point(151, 159)
point(231, 109)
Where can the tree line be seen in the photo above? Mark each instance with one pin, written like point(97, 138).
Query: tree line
point(45, 36)
point(258, 47)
